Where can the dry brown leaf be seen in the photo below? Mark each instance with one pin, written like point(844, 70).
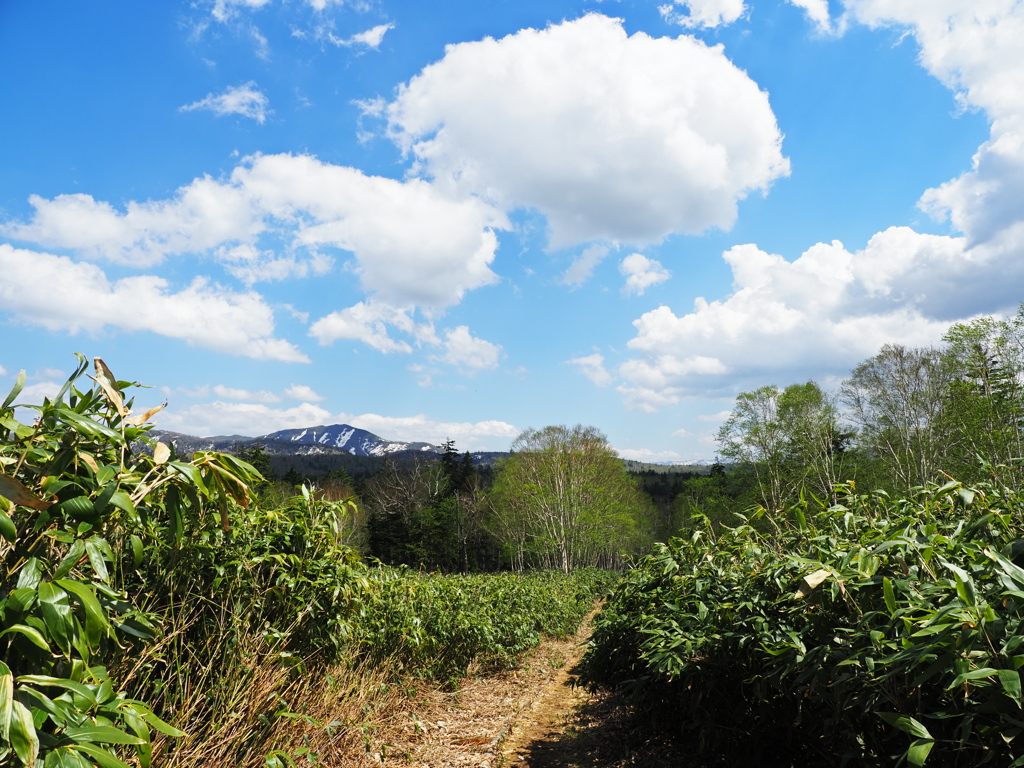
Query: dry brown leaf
point(90, 461)
point(161, 453)
point(108, 384)
point(811, 581)
point(141, 419)
point(13, 489)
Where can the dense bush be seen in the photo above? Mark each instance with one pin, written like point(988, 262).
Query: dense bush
point(869, 631)
point(72, 491)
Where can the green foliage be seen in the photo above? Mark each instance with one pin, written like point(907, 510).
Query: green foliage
point(563, 499)
point(868, 631)
point(73, 491)
point(789, 438)
point(435, 625)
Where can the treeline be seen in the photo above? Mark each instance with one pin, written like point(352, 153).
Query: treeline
point(562, 500)
point(906, 417)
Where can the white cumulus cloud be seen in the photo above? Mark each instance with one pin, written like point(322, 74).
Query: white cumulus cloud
point(221, 418)
point(245, 100)
point(610, 136)
point(648, 456)
point(366, 322)
point(467, 352)
point(60, 294)
point(231, 393)
point(822, 313)
point(974, 49)
point(817, 11)
point(830, 308)
point(35, 392)
point(412, 244)
point(641, 273)
point(304, 393)
point(702, 13)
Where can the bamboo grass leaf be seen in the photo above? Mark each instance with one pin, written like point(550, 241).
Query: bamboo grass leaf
point(13, 489)
point(6, 700)
point(23, 737)
point(33, 635)
point(19, 384)
point(56, 611)
point(100, 756)
point(919, 751)
point(8, 529)
point(1010, 680)
point(142, 418)
point(108, 384)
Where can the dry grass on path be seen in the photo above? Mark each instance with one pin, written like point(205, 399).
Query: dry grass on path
point(529, 718)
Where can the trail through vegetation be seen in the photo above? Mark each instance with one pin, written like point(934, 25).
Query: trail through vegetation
point(532, 717)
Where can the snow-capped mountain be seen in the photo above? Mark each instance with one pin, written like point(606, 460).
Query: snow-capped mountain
point(353, 440)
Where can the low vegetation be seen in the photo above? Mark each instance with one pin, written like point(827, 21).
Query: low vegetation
point(796, 620)
point(153, 612)
point(857, 633)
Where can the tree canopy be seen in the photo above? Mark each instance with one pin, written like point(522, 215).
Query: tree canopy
point(564, 500)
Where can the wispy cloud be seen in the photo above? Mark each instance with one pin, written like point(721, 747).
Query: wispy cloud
point(583, 267)
point(225, 10)
point(245, 100)
point(371, 38)
point(592, 366)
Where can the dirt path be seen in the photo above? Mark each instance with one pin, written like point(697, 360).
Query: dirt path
point(530, 718)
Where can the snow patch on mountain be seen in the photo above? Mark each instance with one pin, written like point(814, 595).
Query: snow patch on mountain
point(353, 440)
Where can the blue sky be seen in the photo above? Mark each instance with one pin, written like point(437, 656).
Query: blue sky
point(461, 220)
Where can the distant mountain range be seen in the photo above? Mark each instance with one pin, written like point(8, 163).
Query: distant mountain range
point(352, 440)
point(323, 442)
point(336, 438)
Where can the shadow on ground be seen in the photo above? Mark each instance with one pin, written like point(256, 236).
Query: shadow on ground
point(603, 732)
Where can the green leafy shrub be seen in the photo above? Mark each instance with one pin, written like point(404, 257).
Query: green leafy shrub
point(866, 631)
point(73, 489)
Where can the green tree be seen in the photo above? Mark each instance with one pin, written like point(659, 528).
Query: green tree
point(427, 513)
point(897, 399)
point(563, 500)
point(789, 438)
point(984, 414)
point(754, 436)
point(817, 455)
point(255, 454)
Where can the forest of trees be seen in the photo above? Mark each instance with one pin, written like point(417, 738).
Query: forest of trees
point(561, 500)
point(903, 418)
